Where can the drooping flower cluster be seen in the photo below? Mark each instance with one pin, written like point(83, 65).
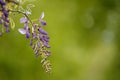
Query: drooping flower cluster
point(39, 39)
point(4, 13)
point(6, 7)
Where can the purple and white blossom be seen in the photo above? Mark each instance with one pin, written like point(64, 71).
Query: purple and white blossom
point(22, 30)
point(23, 20)
point(25, 29)
point(43, 23)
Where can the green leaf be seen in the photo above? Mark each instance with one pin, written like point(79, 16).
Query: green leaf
point(12, 23)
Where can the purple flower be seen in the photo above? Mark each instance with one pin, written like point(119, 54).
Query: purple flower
point(38, 44)
point(27, 34)
point(23, 20)
point(43, 22)
point(42, 31)
point(6, 24)
point(40, 37)
point(7, 30)
point(22, 31)
point(34, 35)
point(7, 20)
point(40, 19)
point(26, 29)
point(46, 38)
point(46, 44)
point(26, 26)
point(5, 12)
point(2, 2)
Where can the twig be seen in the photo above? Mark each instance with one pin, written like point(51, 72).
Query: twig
point(23, 14)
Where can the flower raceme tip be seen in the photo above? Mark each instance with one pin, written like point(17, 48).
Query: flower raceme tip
point(43, 23)
point(39, 39)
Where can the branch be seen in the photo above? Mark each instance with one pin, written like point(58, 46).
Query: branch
point(23, 14)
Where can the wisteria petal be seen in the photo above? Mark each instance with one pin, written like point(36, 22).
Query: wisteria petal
point(6, 24)
point(7, 30)
point(27, 35)
point(26, 26)
point(46, 45)
point(23, 20)
point(28, 12)
point(46, 38)
point(22, 31)
point(42, 15)
point(43, 22)
point(34, 35)
point(42, 31)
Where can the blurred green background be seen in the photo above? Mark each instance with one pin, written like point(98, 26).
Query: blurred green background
point(85, 41)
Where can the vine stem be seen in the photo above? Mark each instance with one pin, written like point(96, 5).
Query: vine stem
point(23, 14)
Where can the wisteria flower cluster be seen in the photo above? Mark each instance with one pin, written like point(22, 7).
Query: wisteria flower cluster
point(4, 15)
point(34, 31)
